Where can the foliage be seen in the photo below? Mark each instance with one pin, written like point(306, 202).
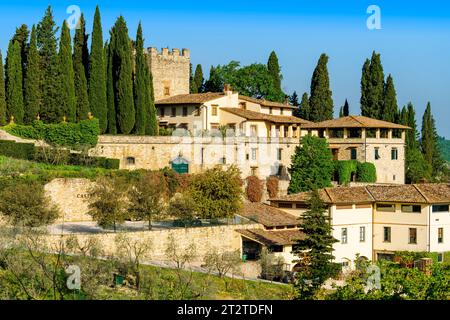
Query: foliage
point(416, 168)
point(315, 250)
point(197, 80)
point(109, 205)
point(14, 90)
point(254, 189)
point(312, 165)
point(273, 186)
point(275, 72)
point(97, 74)
point(216, 192)
point(345, 169)
point(320, 101)
point(80, 61)
point(304, 110)
point(272, 267)
point(444, 145)
point(73, 135)
point(16, 150)
point(26, 204)
point(182, 207)
point(222, 263)
point(366, 172)
point(110, 97)
point(2, 94)
point(372, 87)
point(390, 107)
point(32, 91)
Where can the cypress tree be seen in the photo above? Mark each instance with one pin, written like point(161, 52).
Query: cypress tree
point(390, 107)
point(320, 101)
point(2, 94)
point(14, 91)
point(365, 84)
point(430, 143)
point(21, 36)
point(346, 109)
point(47, 44)
point(293, 99)
point(274, 70)
point(32, 81)
point(375, 88)
point(97, 74)
point(123, 78)
point(81, 94)
point(198, 78)
point(151, 127)
point(141, 89)
point(305, 110)
point(112, 127)
point(192, 88)
point(66, 77)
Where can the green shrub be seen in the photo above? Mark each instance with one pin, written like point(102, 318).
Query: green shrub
point(366, 172)
point(17, 150)
point(67, 134)
point(100, 162)
point(345, 170)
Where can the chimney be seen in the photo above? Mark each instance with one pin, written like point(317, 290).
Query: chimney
point(286, 100)
point(227, 89)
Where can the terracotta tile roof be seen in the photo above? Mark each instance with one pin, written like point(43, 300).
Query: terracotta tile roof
point(266, 103)
point(195, 98)
point(302, 197)
point(355, 122)
point(349, 195)
point(435, 192)
point(269, 238)
point(267, 215)
point(396, 193)
point(258, 116)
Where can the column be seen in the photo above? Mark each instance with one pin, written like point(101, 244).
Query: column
point(290, 133)
point(282, 131)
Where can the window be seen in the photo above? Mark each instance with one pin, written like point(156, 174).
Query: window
point(284, 205)
point(280, 170)
point(411, 208)
point(174, 112)
point(371, 133)
point(394, 154)
point(279, 154)
point(131, 161)
point(362, 234)
point(281, 111)
point(253, 131)
point(377, 153)
point(440, 235)
point(386, 207)
point(383, 133)
point(254, 150)
point(440, 208)
point(254, 171)
point(214, 110)
point(353, 153)
point(336, 133)
point(197, 112)
point(387, 234)
point(223, 160)
point(276, 248)
point(344, 235)
point(161, 111)
point(243, 105)
point(214, 126)
point(270, 110)
point(412, 235)
point(354, 133)
point(440, 257)
point(185, 111)
point(167, 91)
point(345, 264)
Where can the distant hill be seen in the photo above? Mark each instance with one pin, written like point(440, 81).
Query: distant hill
point(445, 148)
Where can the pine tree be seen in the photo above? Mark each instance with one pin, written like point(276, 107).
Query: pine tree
point(365, 84)
point(32, 81)
point(320, 101)
point(293, 99)
point(14, 91)
point(430, 143)
point(123, 80)
point(198, 79)
point(97, 74)
point(346, 109)
point(2, 94)
point(315, 251)
point(79, 66)
point(274, 70)
point(47, 44)
point(66, 95)
point(304, 109)
point(141, 89)
point(112, 126)
point(390, 107)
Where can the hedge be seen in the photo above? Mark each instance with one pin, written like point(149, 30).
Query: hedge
point(67, 134)
point(15, 150)
point(366, 172)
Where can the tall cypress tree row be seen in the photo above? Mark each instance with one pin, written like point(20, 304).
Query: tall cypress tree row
point(141, 89)
point(47, 43)
point(275, 72)
point(320, 101)
point(198, 78)
point(390, 107)
point(21, 36)
point(365, 84)
point(97, 74)
point(2, 94)
point(429, 143)
point(123, 78)
point(32, 81)
point(81, 94)
point(67, 106)
point(14, 91)
point(372, 88)
point(305, 110)
point(151, 128)
point(110, 99)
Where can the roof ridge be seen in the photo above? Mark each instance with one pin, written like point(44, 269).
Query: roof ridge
point(328, 194)
point(370, 193)
point(354, 118)
point(421, 193)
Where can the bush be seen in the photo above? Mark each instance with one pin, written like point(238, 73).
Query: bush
point(66, 134)
point(273, 186)
point(366, 172)
point(345, 170)
point(78, 159)
point(17, 150)
point(254, 189)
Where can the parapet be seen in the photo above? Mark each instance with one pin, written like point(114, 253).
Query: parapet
point(166, 53)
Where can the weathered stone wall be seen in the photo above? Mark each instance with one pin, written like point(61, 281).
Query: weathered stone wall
point(71, 196)
point(222, 238)
point(169, 69)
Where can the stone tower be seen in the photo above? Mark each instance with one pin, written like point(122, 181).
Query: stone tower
point(170, 71)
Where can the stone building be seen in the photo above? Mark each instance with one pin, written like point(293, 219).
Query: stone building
point(170, 71)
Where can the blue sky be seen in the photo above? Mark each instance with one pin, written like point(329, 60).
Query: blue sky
point(414, 40)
